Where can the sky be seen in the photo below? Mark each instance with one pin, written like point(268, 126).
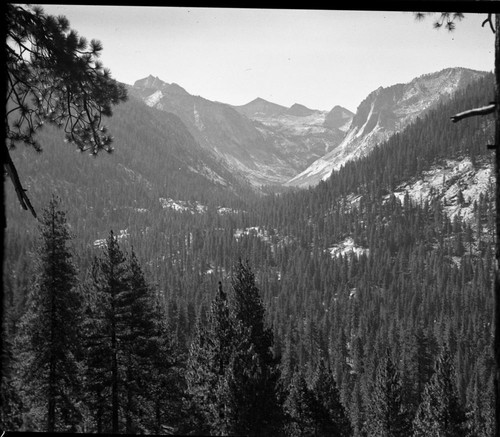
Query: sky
point(318, 58)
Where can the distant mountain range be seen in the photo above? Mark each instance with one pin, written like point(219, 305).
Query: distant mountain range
point(171, 144)
point(261, 142)
point(264, 143)
point(384, 112)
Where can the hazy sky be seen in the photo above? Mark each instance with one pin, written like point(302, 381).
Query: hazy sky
point(319, 58)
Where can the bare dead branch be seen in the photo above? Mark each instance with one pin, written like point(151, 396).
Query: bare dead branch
point(488, 109)
point(16, 181)
point(489, 20)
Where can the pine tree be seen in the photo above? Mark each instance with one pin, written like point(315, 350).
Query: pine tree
point(330, 415)
point(10, 401)
point(147, 351)
point(440, 412)
point(48, 345)
point(127, 343)
point(387, 416)
point(54, 76)
point(356, 411)
point(165, 381)
point(300, 408)
point(104, 357)
point(209, 358)
point(232, 374)
point(288, 362)
point(255, 369)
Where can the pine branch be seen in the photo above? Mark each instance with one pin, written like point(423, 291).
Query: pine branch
point(20, 191)
point(484, 110)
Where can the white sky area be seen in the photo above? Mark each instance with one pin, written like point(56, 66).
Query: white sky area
point(318, 58)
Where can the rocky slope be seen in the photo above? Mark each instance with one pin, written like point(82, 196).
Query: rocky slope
point(301, 134)
point(261, 142)
point(221, 130)
point(384, 112)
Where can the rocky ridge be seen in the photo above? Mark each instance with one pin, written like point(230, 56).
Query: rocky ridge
point(384, 112)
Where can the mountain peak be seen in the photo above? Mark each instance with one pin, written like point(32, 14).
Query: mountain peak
point(338, 118)
point(382, 113)
point(299, 110)
point(154, 83)
point(150, 82)
point(259, 100)
point(260, 107)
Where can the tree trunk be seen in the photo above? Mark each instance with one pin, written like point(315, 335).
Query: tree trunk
point(114, 377)
point(51, 413)
point(51, 410)
point(497, 267)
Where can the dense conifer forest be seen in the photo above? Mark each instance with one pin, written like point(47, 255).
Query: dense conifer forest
point(247, 322)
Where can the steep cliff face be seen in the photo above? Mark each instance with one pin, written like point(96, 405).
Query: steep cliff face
point(301, 134)
point(261, 142)
point(228, 134)
point(384, 112)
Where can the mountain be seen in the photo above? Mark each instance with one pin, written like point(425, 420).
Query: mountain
point(338, 118)
point(228, 135)
point(299, 110)
point(260, 142)
point(384, 112)
point(301, 134)
point(260, 108)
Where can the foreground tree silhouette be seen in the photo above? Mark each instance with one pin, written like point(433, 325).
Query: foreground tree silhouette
point(209, 357)
point(329, 414)
point(300, 408)
point(440, 412)
point(255, 371)
point(387, 416)
point(232, 374)
point(48, 339)
point(53, 76)
point(130, 359)
point(104, 326)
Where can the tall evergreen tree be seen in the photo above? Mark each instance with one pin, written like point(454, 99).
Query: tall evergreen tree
point(104, 322)
point(288, 362)
point(147, 351)
point(164, 378)
point(440, 412)
point(53, 76)
point(232, 373)
point(330, 415)
point(386, 413)
point(256, 369)
point(209, 358)
point(48, 346)
point(300, 408)
point(125, 339)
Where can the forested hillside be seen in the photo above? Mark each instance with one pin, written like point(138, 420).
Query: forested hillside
point(362, 307)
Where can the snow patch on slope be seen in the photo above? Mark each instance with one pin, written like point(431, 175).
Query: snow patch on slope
point(347, 247)
point(183, 206)
point(101, 243)
point(198, 122)
point(193, 207)
point(446, 181)
point(154, 98)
